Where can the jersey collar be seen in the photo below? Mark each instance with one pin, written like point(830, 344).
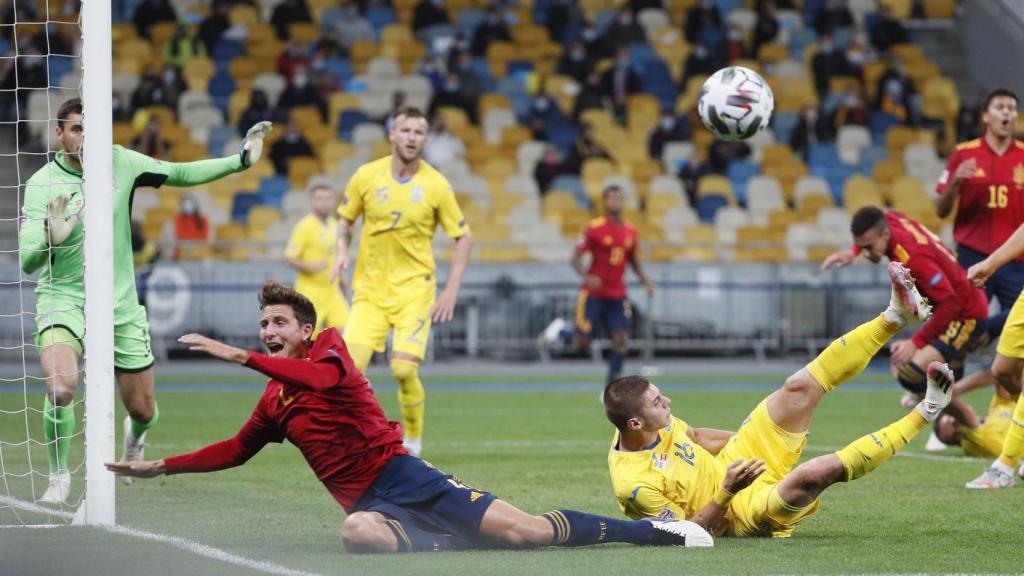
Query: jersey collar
point(58, 159)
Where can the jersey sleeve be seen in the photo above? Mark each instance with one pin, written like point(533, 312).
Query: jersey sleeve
point(32, 245)
point(449, 213)
point(947, 174)
point(352, 202)
point(320, 375)
point(296, 242)
point(646, 501)
point(152, 172)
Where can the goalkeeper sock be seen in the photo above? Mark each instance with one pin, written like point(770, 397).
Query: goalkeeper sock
point(410, 396)
point(412, 538)
point(849, 355)
point(140, 428)
point(58, 427)
point(1013, 445)
point(574, 528)
point(867, 453)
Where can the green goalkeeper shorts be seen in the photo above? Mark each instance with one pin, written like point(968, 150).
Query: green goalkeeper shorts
point(132, 349)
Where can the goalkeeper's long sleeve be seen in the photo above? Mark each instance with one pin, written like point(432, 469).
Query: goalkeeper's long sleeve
point(156, 173)
point(303, 373)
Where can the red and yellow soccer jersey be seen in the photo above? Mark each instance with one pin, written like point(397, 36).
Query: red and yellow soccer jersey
point(937, 274)
point(326, 408)
point(610, 245)
point(991, 204)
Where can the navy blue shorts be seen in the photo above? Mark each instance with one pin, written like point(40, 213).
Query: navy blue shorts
point(593, 313)
point(961, 337)
point(1005, 283)
point(417, 494)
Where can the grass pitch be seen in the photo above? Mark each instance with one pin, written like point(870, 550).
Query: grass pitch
point(539, 450)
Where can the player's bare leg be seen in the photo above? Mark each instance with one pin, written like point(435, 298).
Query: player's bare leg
point(138, 393)
point(363, 532)
point(60, 368)
point(1008, 372)
point(411, 398)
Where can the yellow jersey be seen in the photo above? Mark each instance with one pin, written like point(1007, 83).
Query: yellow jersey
point(673, 478)
point(399, 220)
point(313, 241)
point(987, 439)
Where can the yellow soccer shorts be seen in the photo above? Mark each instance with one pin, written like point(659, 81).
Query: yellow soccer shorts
point(370, 320)
point(1011, 341)
point(331, 307)
point(753, 510)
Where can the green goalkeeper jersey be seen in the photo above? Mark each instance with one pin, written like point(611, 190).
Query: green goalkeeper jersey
point(60, 267)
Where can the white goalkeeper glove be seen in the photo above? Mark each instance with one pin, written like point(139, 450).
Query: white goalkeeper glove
point(252, 145)
point(58, 224)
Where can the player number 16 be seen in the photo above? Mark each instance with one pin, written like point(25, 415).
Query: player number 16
point(997, 196)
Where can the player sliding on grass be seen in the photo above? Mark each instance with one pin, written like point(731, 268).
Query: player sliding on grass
point(320, 401)
point(50, 241)
point(662, 467)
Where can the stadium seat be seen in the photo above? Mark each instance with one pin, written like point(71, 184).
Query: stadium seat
point(859, 192)
point(708, 206)
point(348, 121)
point(241, 204)
point(764, 194)
point(273, 189)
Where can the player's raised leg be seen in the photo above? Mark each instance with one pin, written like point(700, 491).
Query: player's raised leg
point(59, 359)
point(796, 495)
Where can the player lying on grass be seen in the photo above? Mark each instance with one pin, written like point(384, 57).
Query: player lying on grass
point(662, 467)
point(978, 436)
point(319, 401)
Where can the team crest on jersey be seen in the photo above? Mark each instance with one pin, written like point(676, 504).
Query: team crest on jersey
point(607, 240)
point(667, 515)
point(1018, 176)
point(381, 194)
point(417, 194)
point(659, 461)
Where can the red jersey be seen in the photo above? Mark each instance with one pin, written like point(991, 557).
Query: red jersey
point(937, 275)
point(325, 407)
point(610, 245)
point(991, 204)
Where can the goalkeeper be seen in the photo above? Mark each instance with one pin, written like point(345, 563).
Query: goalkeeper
point(50, 242)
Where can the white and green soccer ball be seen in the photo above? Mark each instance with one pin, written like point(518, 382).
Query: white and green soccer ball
point(735, 103)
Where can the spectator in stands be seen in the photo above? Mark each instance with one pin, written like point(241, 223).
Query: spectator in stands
point(591, 96)
point(215, 24)
point(810, 130)
point(827, 64)
point(691, 172)
point(858, 52)
point(620, 82)
point(259, 110)
point(549, 168)
point(831, 15)
point(492, 29)
point(323, 81)
point(18, 76)
point(562, 15)
point(637, 5)
point(575, 62)
point(722, 153)
point(595, 44)
point(442, 146)
point(120, 108)
point(190, 225)
point(291, 57)
point(292, 145)
point(173, 84)
point(150, 12)
point(151, 142)
point(429, 13)
point(471, 85)
point(459, 45)
point(584, 148)
point(767, 26)
point(736, 44)
point(700, 62)
point(349, 25)
point(704, 25)
point(896, 94)
point(625, 30)
point(182, 47)
point(450, 95)
point(887, 31)
point(538, 129)
point(301, 92)
point(850, 111)
point(545, 109)
point(158, 89)
point(287, 13)
point(669, 129)
point(967, 123)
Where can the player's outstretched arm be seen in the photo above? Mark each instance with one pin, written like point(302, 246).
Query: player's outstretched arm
point(1009, 250)
point(839, 259)
point(219, 350)
point(444, 307)
point(146, 469)
point(739, 475)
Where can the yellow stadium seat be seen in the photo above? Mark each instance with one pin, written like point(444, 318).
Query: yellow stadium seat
point(556, 203)
point(781, 218)
point(396, 34)
point(760, 255)
point(885, 172)
point(513, 136)
point(259, 218)
point(872, 73)
point(908, 195)
point(772, 53)
point(306, 116)
point(454, 118)
point(361, 53)
point(160, 33)
point(197, 73)
point(237, 105)
point(713, 185)
point(300, 169)
point(498, 168)
point(596, 169)
point(232, 241)
point(123, 133)
point(493, 101)
point(332, 152)
point(812, 204)
point(245, 69)
point(859, 191)
point(304, 32)
point(897, 138)
point(787, 173)
point(687, 101)
point(574, 220)
point(243, 15)
point(773, 154)
point(944, 9)
point(900, 9)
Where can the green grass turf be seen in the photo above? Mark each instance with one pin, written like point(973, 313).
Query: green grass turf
point(539, 451)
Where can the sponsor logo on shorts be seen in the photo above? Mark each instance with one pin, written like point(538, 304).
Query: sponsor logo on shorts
point(474, 495)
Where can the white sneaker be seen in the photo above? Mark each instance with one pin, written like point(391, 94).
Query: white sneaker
point(906, 305)
point(413, 445)
point(553, 333)
point(681, 533)
point(934, 444)
point(58, 489)
point(991, 479)
point(939, 393)
point(134, 448)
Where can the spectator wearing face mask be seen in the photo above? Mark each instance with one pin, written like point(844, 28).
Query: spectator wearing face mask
point(575, 62)
point(596, 45)
point(669, 129)
point(851, 111)
point(625, 30)
point(190, 225)
point(429, 13)
point(896, 93)
point(811, 129)
point(888, 30)
point(450, 96)
point(767, 26)
point(544, 109)
point(492, 29)
point(323, 81)
point(828, 63)
point(213, 26)
point(287, 13)
point(150, 12)
point(833, 14)
point(471, 85)
point(585, 147)
point(700, 62)
point(704, 25)
point(291, 57)
point(591, 96)
point(301, 92)
point(259, 110)
point(736, 44)
point(289, 146)
point(561, 16)
point(620, 82)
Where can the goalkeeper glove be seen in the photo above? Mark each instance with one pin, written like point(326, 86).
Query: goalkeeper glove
point(252, 145)
point(58, 224)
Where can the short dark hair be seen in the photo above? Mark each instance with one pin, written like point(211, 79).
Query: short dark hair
point(996, 93)
point(867, 218)
point(409, 111)
point(73, 106)
point(274, 293)
point(623, 399)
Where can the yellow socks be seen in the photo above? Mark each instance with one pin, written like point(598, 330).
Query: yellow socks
point(867, 453)
point(410, 396)
point(1013, 446)
point(849, 355)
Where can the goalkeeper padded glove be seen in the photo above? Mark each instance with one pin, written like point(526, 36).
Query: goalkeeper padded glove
point(58, 224)
point(252, 145)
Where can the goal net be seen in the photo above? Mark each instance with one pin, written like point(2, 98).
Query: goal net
point(43, 46)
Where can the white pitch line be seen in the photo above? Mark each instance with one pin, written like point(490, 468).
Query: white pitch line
point(191, 546)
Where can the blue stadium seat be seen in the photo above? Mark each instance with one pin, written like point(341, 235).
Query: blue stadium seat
point(825, 155)
point(58, 66)
point(841, 37)
point(640, 53)
point(738, 173)
point(469, 19)
point(604, 19)
point(273, 189)
point(726, 6)
point(799, 40)
point(219, 136)
point(221, 87)
point(540, 13)
point(707, 206)
point(379, 18)
point(783, 124)
point(241, 204)
point(871, 155)
point(836, 175)
point(340, 68)
point(562, 136)
point(656, 79)
point(519, 68)
point(348, 121)
point(571, 183)
point(879, 124)
point(484, 71)
point(227, 50)
point(521, 104)
point(811, 8)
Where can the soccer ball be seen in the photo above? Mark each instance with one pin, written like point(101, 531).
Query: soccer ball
point(735, 103)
